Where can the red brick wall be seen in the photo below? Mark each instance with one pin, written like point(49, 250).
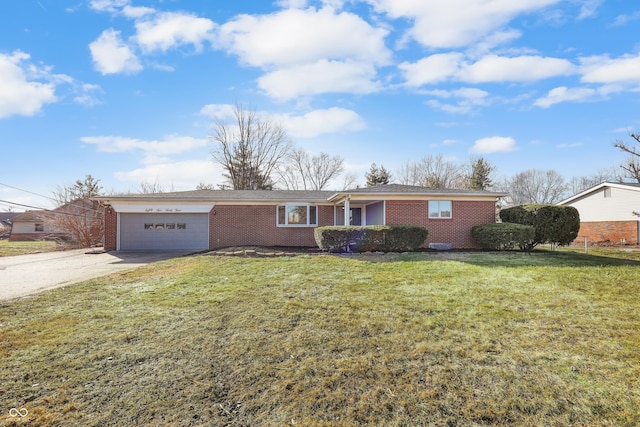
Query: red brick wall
point(615, 232)
point(456, 231)
point(110, 229)
point(256, 225)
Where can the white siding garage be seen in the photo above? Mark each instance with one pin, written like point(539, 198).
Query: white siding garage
point(163, 231)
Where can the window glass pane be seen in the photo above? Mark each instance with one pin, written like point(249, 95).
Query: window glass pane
point(171, 226)
point(182, 226)
point(297, 215)
point(434, 211)
point(282, 215)
point(313, 217)
point(39, 227)
point(148, 226)
point(159, 226)
point(445, 209)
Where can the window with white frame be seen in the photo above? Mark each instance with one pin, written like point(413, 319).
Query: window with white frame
point(292, 215)
point(440, 209)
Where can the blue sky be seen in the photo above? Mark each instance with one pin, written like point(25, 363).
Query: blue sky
point(128, 90)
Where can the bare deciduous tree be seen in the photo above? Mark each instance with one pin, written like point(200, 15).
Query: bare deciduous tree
point(303, 171)
point(631, 166)
point(77, 215)
point(580, 183)
point(534, 186)
point(349, 180)
point(151, 187)
point(205, 186)
point(249, 150)
point(432, 171)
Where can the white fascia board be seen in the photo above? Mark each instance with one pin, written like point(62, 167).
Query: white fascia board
point(161, 207)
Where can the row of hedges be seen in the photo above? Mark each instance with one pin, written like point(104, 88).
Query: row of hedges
point(527, 226)
point(370, 238)
point(524, 227)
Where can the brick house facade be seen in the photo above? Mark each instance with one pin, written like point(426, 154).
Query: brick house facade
point(209, 219)
point(609, 213)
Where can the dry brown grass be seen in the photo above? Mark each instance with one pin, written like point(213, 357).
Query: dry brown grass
point(472, 339)
point(9, 248)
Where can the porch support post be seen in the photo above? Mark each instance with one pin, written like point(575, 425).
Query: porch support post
point(346, 210)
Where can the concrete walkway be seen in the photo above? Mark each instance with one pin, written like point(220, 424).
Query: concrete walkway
point(27, 274)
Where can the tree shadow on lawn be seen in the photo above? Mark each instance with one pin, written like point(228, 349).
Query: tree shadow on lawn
point(537, 258)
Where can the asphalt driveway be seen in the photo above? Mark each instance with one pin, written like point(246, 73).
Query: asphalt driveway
point(27, 274)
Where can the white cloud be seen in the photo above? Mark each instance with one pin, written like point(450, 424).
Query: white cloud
point(308, 125)
point(625, 19)
point(19, 93)
point(319, 122)
point(432, 69)
point(465, 100)
point(602, 69)
point(295, 36)
point(111, 6)
point(86, 96)
point(292, 4)
point(565, 94)
point(493, 68)
point(323, 76)
point(589, 8)
point(111, 55)
point(154, 151)
point(175, 176)
point(494, 144)
point(137, 12)
point(222, 112)
point(456, 23)
point(167, 30)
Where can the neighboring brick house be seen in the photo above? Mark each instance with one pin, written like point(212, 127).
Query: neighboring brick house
point(209, 219)
point(79, 221)
point(35, 225)
point(609, 213)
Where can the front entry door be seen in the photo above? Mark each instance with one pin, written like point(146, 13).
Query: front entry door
point(355, 216)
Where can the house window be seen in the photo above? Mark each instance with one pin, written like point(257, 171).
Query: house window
point(182, 226)
point(607, 192)
point(297, 215)
point(148, 226)
point(171, 226)
point(159, 226)
point(39, 227)
point(440, 209)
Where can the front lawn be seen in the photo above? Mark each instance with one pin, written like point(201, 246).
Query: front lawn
point(8, 248)
point(442, 339)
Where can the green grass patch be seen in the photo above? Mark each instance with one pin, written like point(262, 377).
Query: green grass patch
point(443, 339)
point(8, 248)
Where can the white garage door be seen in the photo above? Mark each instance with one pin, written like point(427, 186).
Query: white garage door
point(163, 231)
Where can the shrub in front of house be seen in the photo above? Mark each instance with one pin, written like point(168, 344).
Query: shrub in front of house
point(557, 225)
point(503, 236)
point(370, 238)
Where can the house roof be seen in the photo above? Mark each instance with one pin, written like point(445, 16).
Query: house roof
point(29, 216)
point(627, 186)
point(292, 195)
point(8, 216)
point(226, 195)
point(400, 189)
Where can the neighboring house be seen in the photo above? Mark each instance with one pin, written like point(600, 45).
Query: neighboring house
point(607, 213)
point(209, 219)
point(71, 221)
point(5, 223)
point(34, 225)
